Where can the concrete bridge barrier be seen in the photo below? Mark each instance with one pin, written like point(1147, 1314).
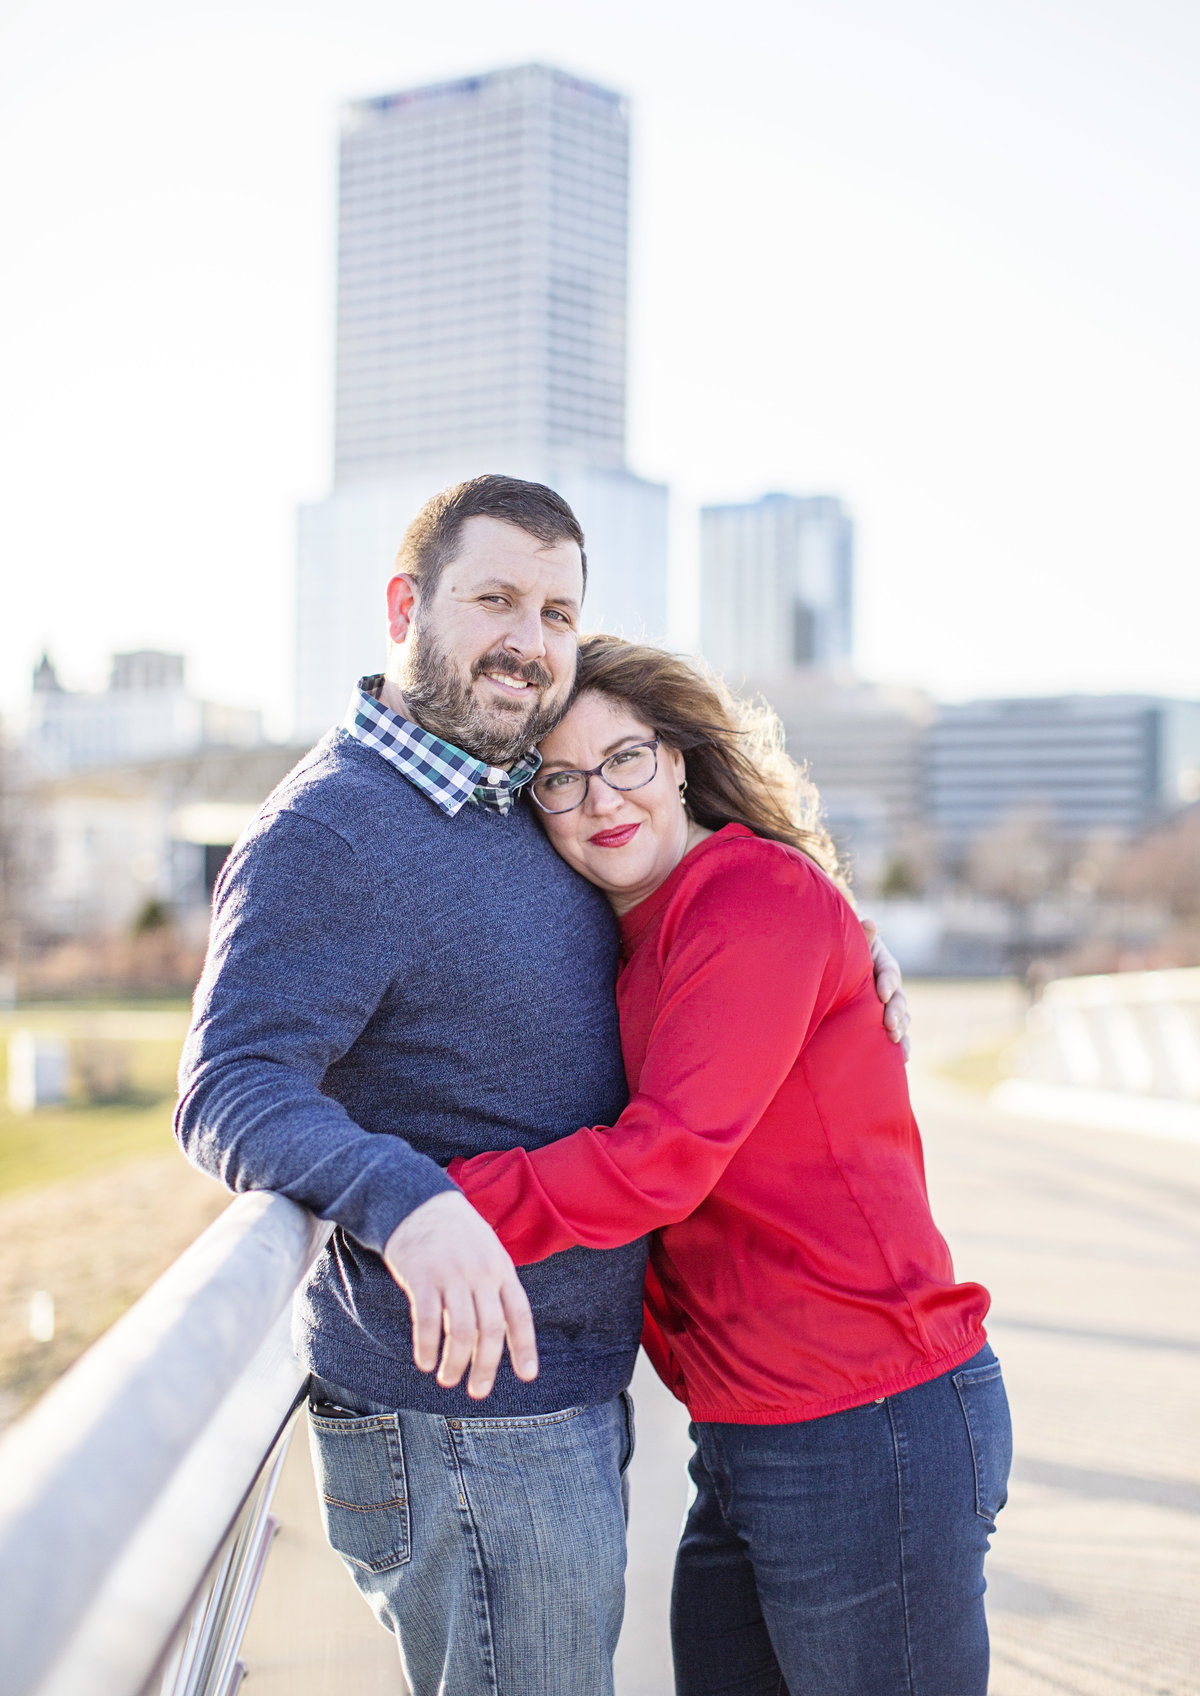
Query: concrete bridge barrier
point(1120, 1050)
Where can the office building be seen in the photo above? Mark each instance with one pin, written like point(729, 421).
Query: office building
point(776, 586)
point(864, 745)
point(482, 276)
point(482, 253)
point(1087, 764)
point(145, 713)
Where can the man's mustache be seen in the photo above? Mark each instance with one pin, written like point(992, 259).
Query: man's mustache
point(530, 672)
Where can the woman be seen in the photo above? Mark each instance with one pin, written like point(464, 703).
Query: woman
point(850, 1425)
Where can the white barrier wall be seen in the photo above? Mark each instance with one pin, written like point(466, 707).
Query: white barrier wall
point(1120, 1052)
point(1136, 1032)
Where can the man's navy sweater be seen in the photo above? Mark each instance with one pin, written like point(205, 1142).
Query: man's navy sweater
point(387, 987)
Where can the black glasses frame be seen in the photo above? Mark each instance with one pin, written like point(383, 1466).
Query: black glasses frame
point(598, 771)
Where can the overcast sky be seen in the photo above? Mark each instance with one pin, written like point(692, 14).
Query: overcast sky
point(939, 257)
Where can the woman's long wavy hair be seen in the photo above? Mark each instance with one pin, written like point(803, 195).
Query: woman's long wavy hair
point(738, 771)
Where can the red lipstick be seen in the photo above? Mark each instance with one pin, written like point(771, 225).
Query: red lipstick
point(616, 838)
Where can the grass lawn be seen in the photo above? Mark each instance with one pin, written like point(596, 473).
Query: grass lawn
point(979, 1068)
point(95, 1199)
point(79, 1138)
point(45, 1147)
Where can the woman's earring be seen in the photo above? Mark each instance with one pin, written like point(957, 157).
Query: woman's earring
point(682, 788)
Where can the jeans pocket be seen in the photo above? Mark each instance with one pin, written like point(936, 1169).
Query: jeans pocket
point(989, 1428)
point(359, 1466)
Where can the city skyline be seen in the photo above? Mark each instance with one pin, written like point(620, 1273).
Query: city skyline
point(939, 264)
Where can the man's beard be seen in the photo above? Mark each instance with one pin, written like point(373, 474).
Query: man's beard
point(441, 702)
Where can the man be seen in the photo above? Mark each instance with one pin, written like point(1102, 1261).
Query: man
point(401, 970)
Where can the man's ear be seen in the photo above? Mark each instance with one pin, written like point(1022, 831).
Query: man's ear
point(402, 595)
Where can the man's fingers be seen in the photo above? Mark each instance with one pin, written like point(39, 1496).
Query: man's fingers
point(895, 1013)
point(518, 1318)
point(489, 1342)
point(464, 1294)
point(889, 987)
point(885, 963)
point(425, 1304)
point(459, 1320)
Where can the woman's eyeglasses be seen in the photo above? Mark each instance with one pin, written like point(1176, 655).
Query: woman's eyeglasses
point(628, 768)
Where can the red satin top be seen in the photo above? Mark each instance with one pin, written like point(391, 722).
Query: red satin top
point(795, 1269)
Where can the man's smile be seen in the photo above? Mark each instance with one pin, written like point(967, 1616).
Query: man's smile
point(507, 681)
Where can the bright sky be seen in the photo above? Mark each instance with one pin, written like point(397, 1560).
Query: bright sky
point(939, 257)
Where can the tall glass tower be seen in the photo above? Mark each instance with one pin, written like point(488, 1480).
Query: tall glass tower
point(482, 273)
point(482, 282)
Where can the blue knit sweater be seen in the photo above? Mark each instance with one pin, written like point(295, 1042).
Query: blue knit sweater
point(386, 988)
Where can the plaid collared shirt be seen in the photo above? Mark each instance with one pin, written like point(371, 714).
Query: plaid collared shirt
point(449, 777)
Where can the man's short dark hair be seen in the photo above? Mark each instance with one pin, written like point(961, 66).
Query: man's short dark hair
point(431, 540)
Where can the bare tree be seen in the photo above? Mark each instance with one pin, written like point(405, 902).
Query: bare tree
point(1018, 860)
point(1164, 866)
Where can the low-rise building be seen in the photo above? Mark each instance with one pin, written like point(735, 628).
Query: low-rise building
point(146, 712)
point(1087, 764)
point(100, 846)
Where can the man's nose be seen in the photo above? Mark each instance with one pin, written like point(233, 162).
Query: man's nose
point(525, 635)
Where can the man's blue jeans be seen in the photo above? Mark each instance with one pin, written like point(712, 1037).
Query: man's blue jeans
point(494, 1549)
point(844, 1556)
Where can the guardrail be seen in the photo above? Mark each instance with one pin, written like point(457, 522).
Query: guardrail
point(135, 1497)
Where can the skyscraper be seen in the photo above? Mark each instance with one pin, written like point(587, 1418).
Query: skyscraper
point(482, 260)
point(482, 273)
point(776, 587)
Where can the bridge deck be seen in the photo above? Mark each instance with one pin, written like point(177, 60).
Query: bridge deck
point(1090, 1243)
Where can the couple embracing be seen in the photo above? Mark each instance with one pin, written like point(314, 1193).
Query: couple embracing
point(535, 976)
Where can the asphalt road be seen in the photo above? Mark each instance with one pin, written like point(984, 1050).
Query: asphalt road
point(1090, 1244)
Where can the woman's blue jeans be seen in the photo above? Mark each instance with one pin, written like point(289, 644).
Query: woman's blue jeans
point(844, 1556)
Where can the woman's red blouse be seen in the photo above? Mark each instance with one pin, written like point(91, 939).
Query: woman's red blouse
point(795, 1269)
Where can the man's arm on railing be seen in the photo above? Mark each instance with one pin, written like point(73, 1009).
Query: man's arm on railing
point(290, 982)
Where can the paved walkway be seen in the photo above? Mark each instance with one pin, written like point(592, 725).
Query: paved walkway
point(1090, 1243)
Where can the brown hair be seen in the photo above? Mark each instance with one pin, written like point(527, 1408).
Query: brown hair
point(431, 540)
point(738, 771)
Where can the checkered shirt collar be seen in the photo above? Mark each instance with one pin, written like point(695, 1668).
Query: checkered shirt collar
point(438, 769)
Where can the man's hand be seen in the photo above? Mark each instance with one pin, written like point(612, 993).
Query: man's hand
point(459, 1281)
point(889, 988)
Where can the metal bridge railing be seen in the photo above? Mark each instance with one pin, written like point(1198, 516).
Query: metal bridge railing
point(135, 1497)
